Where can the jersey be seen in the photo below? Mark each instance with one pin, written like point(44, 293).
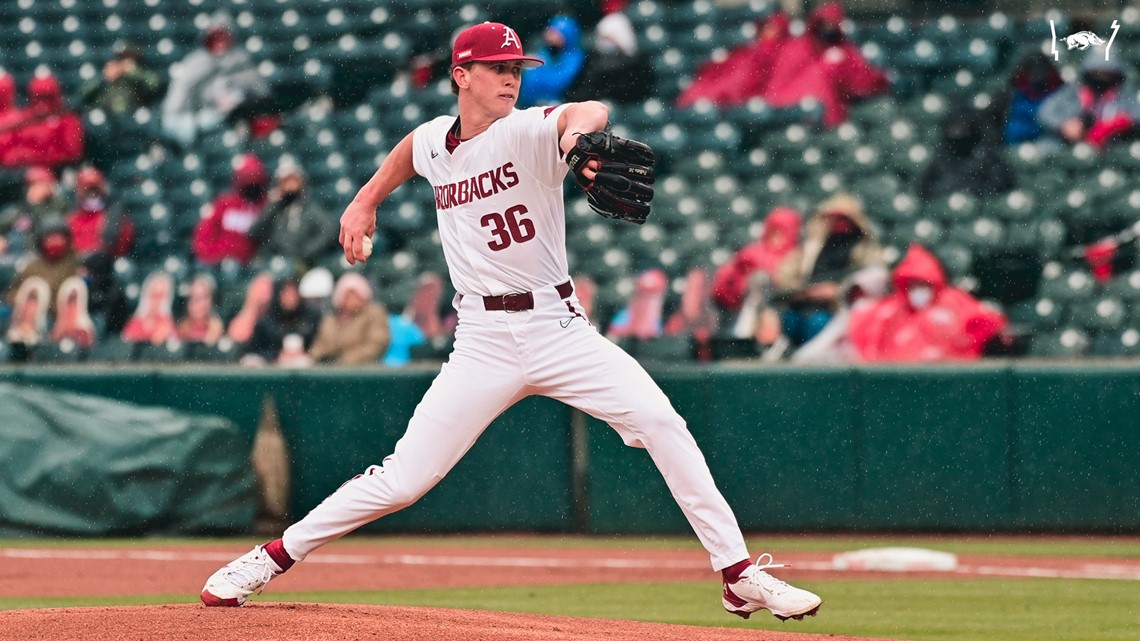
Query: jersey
point(498, 199)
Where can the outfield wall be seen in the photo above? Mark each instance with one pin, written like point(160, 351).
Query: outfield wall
point(996, 447)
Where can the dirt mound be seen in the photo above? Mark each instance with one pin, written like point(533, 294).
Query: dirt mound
point(320, 622)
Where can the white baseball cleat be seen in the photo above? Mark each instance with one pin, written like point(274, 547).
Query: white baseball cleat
point(240, 579)
point(758, 590)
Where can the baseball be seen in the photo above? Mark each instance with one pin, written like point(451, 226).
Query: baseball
point(366, 244)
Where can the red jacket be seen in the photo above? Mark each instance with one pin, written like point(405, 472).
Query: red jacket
point(50, 135)
point(730, 285)
point(744, 73)
point(90, 234)
point(953, 326)
point(225, 232)
point(833, 74)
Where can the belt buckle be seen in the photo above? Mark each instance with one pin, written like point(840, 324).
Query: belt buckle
point(511, 307)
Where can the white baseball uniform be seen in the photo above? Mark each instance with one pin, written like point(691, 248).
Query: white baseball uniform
point(502, 223)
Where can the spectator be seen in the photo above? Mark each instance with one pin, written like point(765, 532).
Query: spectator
point(833, 345)
point(293, 225)
point(967, 161)
point(823, 64)
point(49, 134)
point(1099, 108)
point(839, 241)
point(21, 222)
point(153, 321)
point(925, 319)
point(72, 322)
point(258, 297)
point(404, 335)
point(54, 263)
point(1034, 80)
point(97, 225)
point(29, 314)
point(563, 58)
point(745, 72)
point(775, 254)
point(201, 323)
point(357, 330)
point(125, 86)
point(641, 319)
point(225, 233)
point(209, 84)
point(287, 316)
point(614, 70)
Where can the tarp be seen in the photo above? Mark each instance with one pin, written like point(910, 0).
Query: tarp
point(73, 464)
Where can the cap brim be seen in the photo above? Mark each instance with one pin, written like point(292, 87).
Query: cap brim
point(529, 63)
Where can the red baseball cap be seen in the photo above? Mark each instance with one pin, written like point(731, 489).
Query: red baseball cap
point(490, 42)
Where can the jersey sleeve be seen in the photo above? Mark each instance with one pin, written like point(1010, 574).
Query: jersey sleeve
point(536, 134)
point(420, 138)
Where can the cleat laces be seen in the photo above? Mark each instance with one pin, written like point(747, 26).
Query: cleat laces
point(251, 573)
point(767, 581)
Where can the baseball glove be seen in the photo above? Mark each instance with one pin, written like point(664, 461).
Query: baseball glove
point(622, 187)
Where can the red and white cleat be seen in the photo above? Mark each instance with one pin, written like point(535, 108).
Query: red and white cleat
point(757, 590)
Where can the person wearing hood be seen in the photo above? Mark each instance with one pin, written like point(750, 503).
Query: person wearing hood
point(614, 70)
point(563, 57)
point(21, 221)
point(966, 161)
point(49, 134)
point(924, 319)
point(839, 241)
point(288, 315)
point(356, 332)
point(1034, 80)
point(745, 72)
point(293, 225)
point(55, 261)
point(823, 64)
point(1100, 107)
point(225, 232)
point(97, 225)
point(209, 84)
point(779, 243)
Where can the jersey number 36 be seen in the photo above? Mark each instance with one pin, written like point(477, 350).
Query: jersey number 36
point(508, 227)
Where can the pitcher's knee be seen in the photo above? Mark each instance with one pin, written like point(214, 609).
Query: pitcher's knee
point(654, 418)
point(403, 494)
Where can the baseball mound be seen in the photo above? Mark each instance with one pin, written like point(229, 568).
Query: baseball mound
point(327, 622)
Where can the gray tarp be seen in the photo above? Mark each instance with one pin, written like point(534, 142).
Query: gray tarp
point(87, 465)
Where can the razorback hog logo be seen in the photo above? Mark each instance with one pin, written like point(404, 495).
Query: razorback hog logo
point(1083, 40)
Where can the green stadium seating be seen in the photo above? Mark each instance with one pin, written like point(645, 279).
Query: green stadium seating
point(1065, 343)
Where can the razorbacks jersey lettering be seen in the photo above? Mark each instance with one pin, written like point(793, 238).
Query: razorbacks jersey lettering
point(498, 199)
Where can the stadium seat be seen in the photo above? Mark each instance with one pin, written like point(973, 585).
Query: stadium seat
point(1069, 342)
point(1118, 344)
point(1099, 314)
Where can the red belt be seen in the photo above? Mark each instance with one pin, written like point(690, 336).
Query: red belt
point(521, 301)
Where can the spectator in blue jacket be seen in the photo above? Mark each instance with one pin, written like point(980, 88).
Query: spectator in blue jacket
point(1034, 80)
point(563, 56)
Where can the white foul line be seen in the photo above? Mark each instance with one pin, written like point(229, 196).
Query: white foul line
point(1107, 571)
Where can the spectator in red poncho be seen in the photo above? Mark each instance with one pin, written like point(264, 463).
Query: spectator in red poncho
point(49, 134)
point(924, 319)
point(823, 64)
point(225, 232)
point(96, 224)
point(10, 114)
point(745, 73)
point(778, 243)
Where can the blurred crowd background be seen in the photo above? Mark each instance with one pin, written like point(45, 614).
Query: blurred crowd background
point(836, 184)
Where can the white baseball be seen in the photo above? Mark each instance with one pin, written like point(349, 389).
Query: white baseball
point(366, 244)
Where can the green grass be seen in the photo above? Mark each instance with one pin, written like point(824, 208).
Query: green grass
point(1115, 547)
point(979, 610)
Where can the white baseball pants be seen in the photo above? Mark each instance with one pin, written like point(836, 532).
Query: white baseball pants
point(499, 359)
